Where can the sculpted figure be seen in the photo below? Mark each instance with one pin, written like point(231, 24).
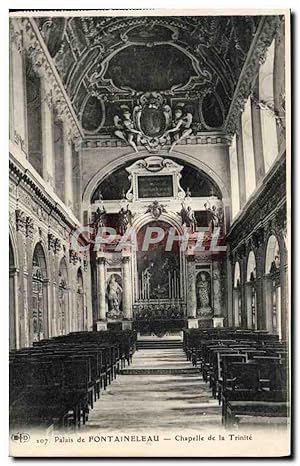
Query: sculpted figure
point(188, 217)
point(125, 219)
point(125, 129)
point(216, 217)
point(100, 217)
point(181, 126)
point(203, 290)
point(114, 296)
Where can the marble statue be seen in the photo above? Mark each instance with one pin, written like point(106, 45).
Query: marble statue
point(114, 297)
point(204, 294)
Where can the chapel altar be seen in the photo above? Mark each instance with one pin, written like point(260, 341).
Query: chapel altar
point(159, 261)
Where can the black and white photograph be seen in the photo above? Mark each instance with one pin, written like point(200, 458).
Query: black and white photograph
point(149, 233)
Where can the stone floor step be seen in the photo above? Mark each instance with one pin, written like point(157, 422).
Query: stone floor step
point(144, 345)
point(158, 371)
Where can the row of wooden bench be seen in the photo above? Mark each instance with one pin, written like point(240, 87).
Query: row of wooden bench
point(57, 381)
point(246, 371)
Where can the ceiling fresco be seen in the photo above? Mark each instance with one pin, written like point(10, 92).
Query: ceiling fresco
point(107, 63)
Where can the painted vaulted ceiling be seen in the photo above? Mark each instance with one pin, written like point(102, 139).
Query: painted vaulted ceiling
point(108, 62)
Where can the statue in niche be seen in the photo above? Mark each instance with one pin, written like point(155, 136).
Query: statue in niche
point(204, 294)
point(188, 217)
point(125, 128)
point(125, 219)
point(216, 217)
point(114, 297)
point(181, 125)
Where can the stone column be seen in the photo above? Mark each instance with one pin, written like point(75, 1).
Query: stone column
point(47, 133)
point(77, 181)
point(218, 301)
point(48, 304)
point(279, 86)
point(191, 304)
point(88, 278)
point(29, 234)
point(241, 165)
point(52, 290)
point(243, 264)
point(14, 334)
point(68, 179)
point(257, 138)
point(260, 308)
point(217, 289)
point(229, 281)
point(18, 130)
point(23, 278)
point(101, 290)
point(127, 301)
point(284, 285)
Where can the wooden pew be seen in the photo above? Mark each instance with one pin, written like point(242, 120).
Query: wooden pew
point(70, 369)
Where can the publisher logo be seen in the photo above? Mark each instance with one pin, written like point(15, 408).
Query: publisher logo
point(20, 437)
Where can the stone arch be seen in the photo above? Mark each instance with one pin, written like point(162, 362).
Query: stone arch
point(166, 217)
point(63, 311)
point(237, 275)
point(38, 314)
point(39, 259)
point(63, 268)
point(13, 246)
point(251, 266)
point(271, 253)
point(272, 286)
point(251, 295)
point(114, 165)
point(40, 241)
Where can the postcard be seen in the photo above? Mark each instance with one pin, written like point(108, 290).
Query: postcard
point(149, 233)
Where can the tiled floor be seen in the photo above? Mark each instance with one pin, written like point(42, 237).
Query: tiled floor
point(161, 402)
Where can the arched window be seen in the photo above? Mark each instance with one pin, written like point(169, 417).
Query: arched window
point(272, 256)
point(251, 301)
point(39, 311)
point(237, 305)
point(272, 286)
point(63, 299)
point(266, 103)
